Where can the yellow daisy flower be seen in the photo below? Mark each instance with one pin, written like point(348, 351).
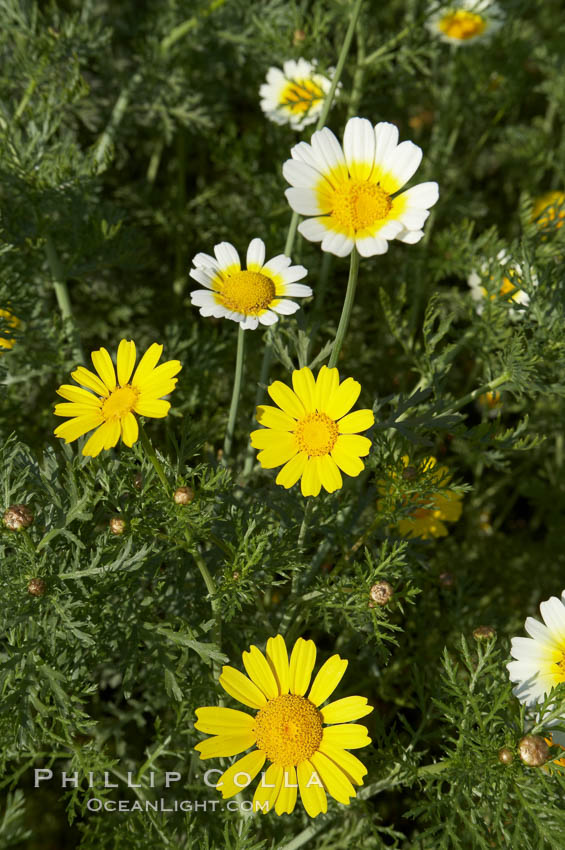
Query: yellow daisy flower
point(465, 22)
point(310, 433)
point(354, 191)
point(110, 410)
point(549, 211)
point(294, 95)
point(11, 321)
point(428, 520)
point(287, 730)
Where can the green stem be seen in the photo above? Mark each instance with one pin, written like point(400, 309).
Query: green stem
point(263, 378)
point(235, 395)
point(214, 601)
point(106, 140)
point(62, 295)
point(492, 385)
point(347, 308)
point(157, 465)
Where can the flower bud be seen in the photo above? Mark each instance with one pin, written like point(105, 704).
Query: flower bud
point(381, 593)
point(183, 495)
point(138, 481)
point(36, 587)
point(235, 575)
point(298, 37)
point(117, 525)
point(484, 633)
point(505, 755)
point(533, 750)
point(446, 580)
point(17, 517)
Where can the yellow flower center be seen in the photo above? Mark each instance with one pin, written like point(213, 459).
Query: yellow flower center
point(288, 729)
point(247, 292)
point(119, 403)
point(300, 95)
point(509, 288)
point(357, 204)
point(462, 25)
point(316, 434)
point(549, 210)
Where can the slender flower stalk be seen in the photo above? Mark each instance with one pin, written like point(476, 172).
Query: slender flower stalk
point(62, 295)
point(235, 395)
point(347, 308)
point(153, 459)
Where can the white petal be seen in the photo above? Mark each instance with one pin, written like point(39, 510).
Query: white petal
point(402, 163)
point(202, 298)
point(370, 246)
point(313, 229)
point(268, 318)
point(286, 307)
point(388, 230)
point(304, 201)
point(422, 196)
point(205, 261)
point(255, 254)
point(410, 237)
point(337, 243)
point(329, 153)
point(386, 140)
point(298, 290)
point(249, 323)
point(277, 265)
point(303, 153)
point(553, 613)
point(359, 147)
point(293, 273)
point(538, 631)
point(412, 219)
point(227, 255)
point(527, 649)
point(299, 174)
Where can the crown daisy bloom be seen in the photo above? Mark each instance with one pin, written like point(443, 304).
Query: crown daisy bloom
point(310, 433)
point(539, 663)
point(509, 289)
point(465, 22)
point(115, 397)
point(252, 296)
point(428, 517)
point(548, 211)
point(294, 95)
point(8, 322)
point(352, 191)
point(287, 730)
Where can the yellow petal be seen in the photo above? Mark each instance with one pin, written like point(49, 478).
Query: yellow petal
point(350, 464)
point(126, 360)
point(357, 421)
point(283, 449)
point(154, 408)
point(343, 399)
point(244, 771)
point(353, 444)
point(146, 365)
point(277, 656)
point(302, 662)
point(286, 399)
point(260, 673)
point(311, 482)
point(305, 388)
point(95, 443)
point(448, 505)
point(327, 383)
point(215, 720)
point(265, 438)
point(79, 395)
point(240, 688)
point(73, 408)
point(291, 471)
point(225, 745)
point(313, 795)
point(89, 379)
point(330, 476)
point(112, 431)
point(286, 801)
point(327, 680)
point(349, 736)
point(265, 797)
point(161, 381)
point(75, 428)
point(130, 429)
point(272, 417)
point(335, 781)
point(346, 709)
point(354, 769)
point(105, 368)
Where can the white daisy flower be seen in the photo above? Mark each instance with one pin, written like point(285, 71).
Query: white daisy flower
point(253, 296)
point(509, 289)
point(466, 21)
point(352, 190)
point(294, 95)
point(540, 659)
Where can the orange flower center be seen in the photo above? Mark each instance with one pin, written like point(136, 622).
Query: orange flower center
point(288, 729)
point(462, 25)
point(247, 292)
point(316, 434)
point(357, 204)
point(299, 96)
point(119, 403)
